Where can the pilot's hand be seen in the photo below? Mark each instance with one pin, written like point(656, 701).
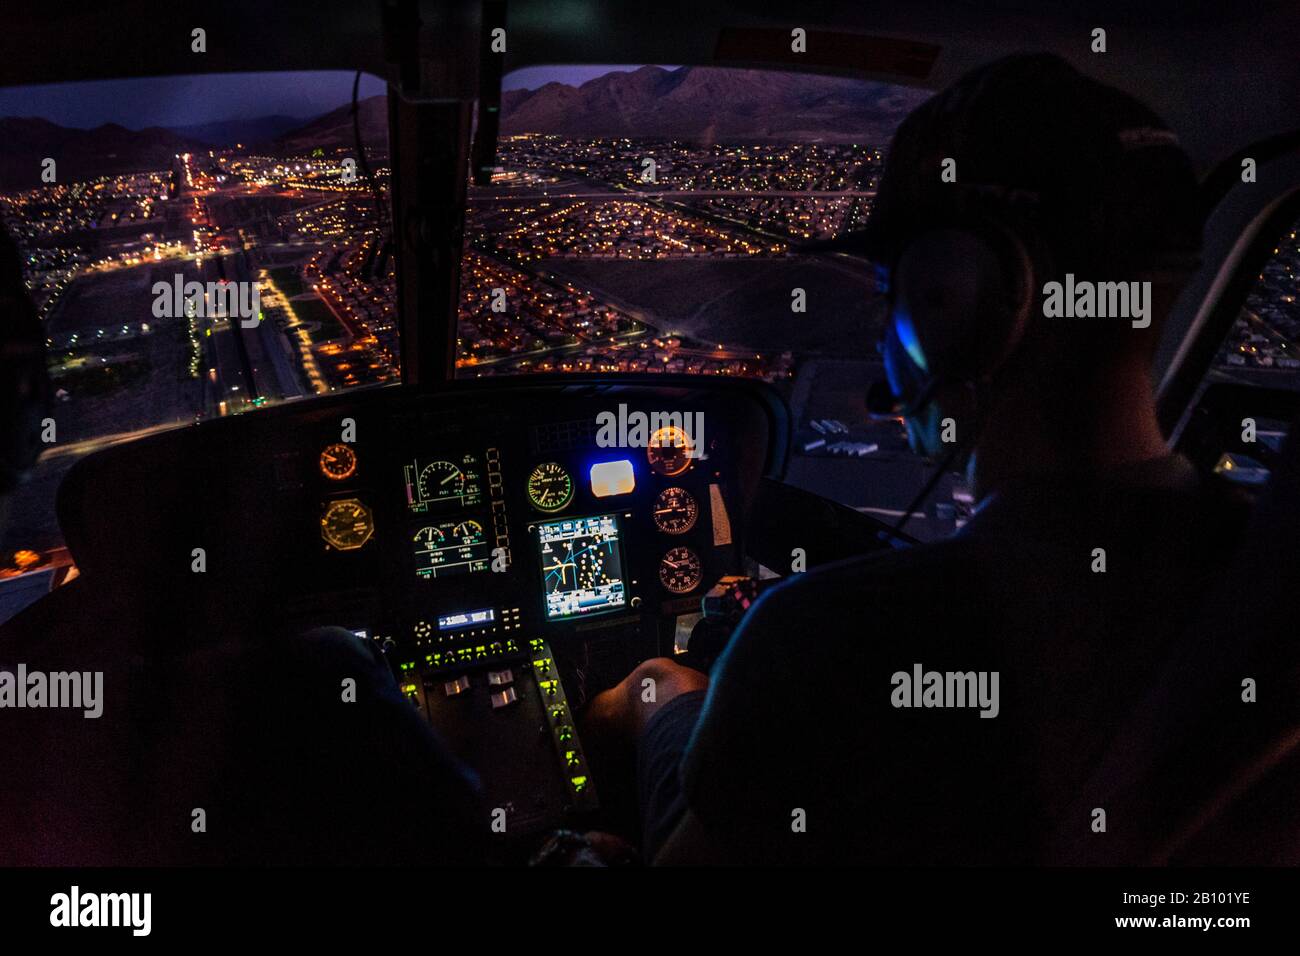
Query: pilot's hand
point(622, 712)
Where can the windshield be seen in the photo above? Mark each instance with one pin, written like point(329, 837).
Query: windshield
point(647, 220)
point(196, 246)
point(205, 246)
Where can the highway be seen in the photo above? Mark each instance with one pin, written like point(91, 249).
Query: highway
point(626, 194)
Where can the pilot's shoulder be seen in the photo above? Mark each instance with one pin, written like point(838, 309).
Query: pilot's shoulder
point(859, 609)
point(888, 576)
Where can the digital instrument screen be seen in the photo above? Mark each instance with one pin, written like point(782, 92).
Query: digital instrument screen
point(443, 484)
point(454, 546)
point(582, 565)
point(462, 619)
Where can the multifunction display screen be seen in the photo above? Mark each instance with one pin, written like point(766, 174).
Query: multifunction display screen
point(582, 565)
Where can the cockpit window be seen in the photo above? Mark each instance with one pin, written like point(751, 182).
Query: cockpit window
point(1259, 356)
point(1262, 347)
point(197, 246)
point(646, 219)
point(652, 218)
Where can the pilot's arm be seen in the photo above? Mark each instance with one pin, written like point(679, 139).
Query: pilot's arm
point(681, 722)
point(738, 771)
point(796, 753)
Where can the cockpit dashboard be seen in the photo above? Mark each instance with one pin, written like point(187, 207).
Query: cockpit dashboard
point(511, 550)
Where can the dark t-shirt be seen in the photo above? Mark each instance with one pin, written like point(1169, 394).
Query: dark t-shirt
point(800, 754)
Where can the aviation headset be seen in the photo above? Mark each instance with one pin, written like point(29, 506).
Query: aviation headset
point(993, 230)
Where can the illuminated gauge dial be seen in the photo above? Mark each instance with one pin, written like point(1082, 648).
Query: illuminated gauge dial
point(346, 524)
point(469, 532)
point(550, 487)
point(675, 511)
point(669, 451)
point(431, 538)
point(680, 571)
point(440, 480)
point(338, 462)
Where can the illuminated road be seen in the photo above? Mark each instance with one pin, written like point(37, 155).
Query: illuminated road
point(625, 194)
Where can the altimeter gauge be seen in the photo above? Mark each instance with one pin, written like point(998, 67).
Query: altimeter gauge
point(675, 511)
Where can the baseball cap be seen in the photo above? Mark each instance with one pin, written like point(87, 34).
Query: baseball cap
point(1107, 183)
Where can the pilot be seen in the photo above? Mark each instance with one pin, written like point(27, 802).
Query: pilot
point(831, 729)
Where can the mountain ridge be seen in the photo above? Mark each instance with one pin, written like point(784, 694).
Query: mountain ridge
point(713, 103)
point(105, 150)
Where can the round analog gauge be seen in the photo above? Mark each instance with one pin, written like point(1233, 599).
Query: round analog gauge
point(338, 462)
point(669, 451)
point(346, 524)
point(469, 532)
point(430, 538)
point(680, 571)
point(550, 487)
point(675, 511)
point(439, 480)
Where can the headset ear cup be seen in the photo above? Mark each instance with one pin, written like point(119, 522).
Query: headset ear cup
point(966, 294)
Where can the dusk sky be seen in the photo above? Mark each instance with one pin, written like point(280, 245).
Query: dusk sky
point(531, 77)
point(191, 100)
point(185, 100)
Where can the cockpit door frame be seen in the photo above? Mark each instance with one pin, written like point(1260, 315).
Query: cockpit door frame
point(443, 70)
point(1243, 221)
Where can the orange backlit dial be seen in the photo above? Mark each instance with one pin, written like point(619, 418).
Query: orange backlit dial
point(338, 462)
point(347, 524)
point(669, 451)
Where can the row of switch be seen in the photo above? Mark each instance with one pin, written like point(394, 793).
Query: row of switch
point(501, 679)
point(471, 654)
point(503, 694)
point(562, 729)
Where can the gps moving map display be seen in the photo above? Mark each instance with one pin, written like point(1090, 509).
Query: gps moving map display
point(582, 566)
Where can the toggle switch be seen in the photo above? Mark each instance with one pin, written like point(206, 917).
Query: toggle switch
point(458, 686)
point(504, 698)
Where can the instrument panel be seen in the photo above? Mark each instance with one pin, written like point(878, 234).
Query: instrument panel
point(563, 529)
point(548, 543)
point(513, 550)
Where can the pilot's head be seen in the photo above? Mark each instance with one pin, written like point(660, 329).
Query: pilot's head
point(1021, 172)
